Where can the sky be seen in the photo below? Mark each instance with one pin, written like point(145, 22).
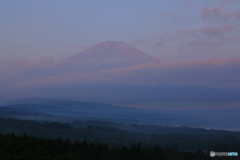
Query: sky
point(171, 29)
point(193, 39)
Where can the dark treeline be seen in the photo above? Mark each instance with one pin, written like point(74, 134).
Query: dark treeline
point(25, 147)
point(152, 129)
point(219, 141)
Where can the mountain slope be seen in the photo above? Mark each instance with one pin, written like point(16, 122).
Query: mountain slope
point(105, 55)
point(113, 51)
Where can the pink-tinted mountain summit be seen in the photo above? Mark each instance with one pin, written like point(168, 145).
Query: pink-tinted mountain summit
point(103, 56)
point(106, 55)
point(112, 52)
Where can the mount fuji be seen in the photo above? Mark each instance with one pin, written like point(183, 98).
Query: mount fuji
point(105, 55)
point(92, 66)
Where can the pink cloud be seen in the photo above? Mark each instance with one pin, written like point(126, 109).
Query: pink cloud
point(210, 30)
point(229, 1)
point(204, 39)
point(175, 73)
point(26, 65)
point(216, 14)
point(204, 36)
point(214, 62)
point(230, 27)
point(203, 33)
point(10, 69)
point(7, 70)
point(224, 62)
point(211, 43)
point(73, 77)
point(207, 11)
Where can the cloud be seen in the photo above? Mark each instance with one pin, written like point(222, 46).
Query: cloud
point(198, 39)
point(9, 69)
point(203, 39)
point(209, 72)
point(211, 43)
point(102, 76)
point(210, 30)
point(213, 61)
point(229, 1)
point(26, 65)
point(213, 12)
point(217, 15)
point(200, 33)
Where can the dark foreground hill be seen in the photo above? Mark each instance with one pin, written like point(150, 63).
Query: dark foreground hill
point(190, 140)
point(24, 147)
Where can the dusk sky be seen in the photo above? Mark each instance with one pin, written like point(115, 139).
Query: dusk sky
point(196, 41)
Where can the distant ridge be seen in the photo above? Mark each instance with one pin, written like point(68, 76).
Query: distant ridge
point(32, 100)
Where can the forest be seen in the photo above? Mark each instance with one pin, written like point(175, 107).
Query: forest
point(105, 140)
point(25, 147)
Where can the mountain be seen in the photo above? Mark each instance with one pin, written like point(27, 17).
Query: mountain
point(112, 52)
point(105, 55)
